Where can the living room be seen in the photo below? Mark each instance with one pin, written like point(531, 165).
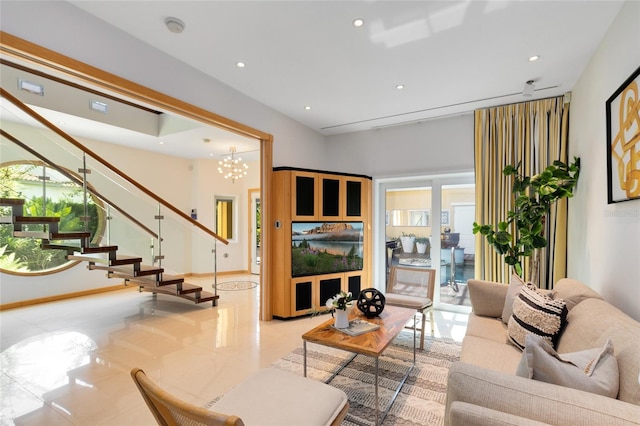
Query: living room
point(603, 239)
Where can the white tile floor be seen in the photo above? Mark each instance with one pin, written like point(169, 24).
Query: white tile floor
point(68, 362)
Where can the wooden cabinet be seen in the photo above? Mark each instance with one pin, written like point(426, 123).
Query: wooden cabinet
point(323, 197)
point(311, 293)
point(304, 205)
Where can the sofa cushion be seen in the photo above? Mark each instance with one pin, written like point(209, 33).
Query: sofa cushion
point(487, 328)
point(573, 292)
point(301, 400)
point(498, 356)
point(462, 413)
point(487, 297)
point(515, 285)
point(590, 324)
point(534, 312)
point(593, 370)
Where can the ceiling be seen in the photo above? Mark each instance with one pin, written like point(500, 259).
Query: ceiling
point(451, 56)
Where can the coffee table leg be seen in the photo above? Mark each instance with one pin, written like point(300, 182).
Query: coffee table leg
point(377, 403)
point(304, 349)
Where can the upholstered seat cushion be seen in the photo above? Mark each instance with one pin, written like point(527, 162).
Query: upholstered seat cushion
point(497, 356)
point(293, 400)
point(404, 301)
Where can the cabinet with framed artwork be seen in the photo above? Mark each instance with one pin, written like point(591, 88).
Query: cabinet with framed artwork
point(322, 238)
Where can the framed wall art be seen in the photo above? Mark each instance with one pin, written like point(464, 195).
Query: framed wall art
point(623, 141)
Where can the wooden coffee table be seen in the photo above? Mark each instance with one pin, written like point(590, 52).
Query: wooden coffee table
point(391, 321)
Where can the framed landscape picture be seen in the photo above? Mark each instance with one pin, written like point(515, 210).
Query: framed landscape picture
point(623, 141)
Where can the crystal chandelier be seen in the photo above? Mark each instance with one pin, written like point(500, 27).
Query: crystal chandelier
point(231, 167)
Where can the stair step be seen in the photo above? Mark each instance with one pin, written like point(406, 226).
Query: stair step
point(204, 296)
point(98, 258)
point(125, 260)
point(146, 280)
point(12, 201)
point(73, 248)
point(52, 235)
point(171, 279)
point(145, 272)
point(35, 219)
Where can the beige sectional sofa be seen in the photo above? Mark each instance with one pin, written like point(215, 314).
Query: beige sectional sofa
point(483, 388)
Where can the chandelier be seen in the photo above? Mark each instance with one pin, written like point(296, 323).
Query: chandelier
point(231, 167)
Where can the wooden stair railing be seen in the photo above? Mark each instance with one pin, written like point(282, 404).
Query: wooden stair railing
point(99, 257)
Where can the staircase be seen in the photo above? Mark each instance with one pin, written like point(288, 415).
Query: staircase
point(103, 258)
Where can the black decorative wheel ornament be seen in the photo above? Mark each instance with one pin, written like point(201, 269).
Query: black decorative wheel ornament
point(371, 302)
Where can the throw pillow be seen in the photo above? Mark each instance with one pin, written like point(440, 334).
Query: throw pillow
point(536, 313)
point(515, 285)
point(593, 370)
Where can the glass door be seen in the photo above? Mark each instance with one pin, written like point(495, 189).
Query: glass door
point(457, 243)
point(426, 222)
point(408, 227)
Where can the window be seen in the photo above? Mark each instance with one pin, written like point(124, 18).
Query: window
point(224, 217)
point(46, 193)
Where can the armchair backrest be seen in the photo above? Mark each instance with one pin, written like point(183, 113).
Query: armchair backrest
point(172, 411)
point(408, 281)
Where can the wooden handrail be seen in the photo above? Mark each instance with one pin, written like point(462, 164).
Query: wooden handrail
point(78, 181)
point(68, 138)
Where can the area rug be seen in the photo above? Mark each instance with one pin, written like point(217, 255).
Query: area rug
point(421, 400)
point(236, 285)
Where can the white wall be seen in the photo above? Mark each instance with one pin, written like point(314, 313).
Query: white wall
point(414, 149)
point(604, 240)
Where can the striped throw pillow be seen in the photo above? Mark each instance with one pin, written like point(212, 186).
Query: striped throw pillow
point(536, 313)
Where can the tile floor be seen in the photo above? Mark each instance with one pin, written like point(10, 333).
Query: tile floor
point(68, 362)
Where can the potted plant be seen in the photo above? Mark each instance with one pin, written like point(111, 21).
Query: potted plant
point(408, 242)
point(421, 244)
point(339, 304)
point(534, 197)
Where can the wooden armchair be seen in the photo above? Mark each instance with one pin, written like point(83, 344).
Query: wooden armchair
point(412, 287)
point(269, 397)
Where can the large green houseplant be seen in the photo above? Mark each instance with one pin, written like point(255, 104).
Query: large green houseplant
point(534, 197)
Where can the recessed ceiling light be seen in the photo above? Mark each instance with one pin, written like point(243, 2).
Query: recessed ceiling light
point(307, 107)
point(240, 64)
point(211, 154)
point(358, 22)
point(534, 58)
point(99, 106)
point(35, 88)
point(161, 143)
point(400, 86)
point(174, 25)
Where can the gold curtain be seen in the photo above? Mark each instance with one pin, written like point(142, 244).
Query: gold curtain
point(536, 134)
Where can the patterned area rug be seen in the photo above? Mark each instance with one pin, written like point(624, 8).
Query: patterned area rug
point(237, 285)
point(421, 400)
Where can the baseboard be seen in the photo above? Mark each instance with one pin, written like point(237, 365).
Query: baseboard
point(40, 300)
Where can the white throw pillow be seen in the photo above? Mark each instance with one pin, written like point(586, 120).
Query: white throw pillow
point(592, 370)
point(515, 285)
